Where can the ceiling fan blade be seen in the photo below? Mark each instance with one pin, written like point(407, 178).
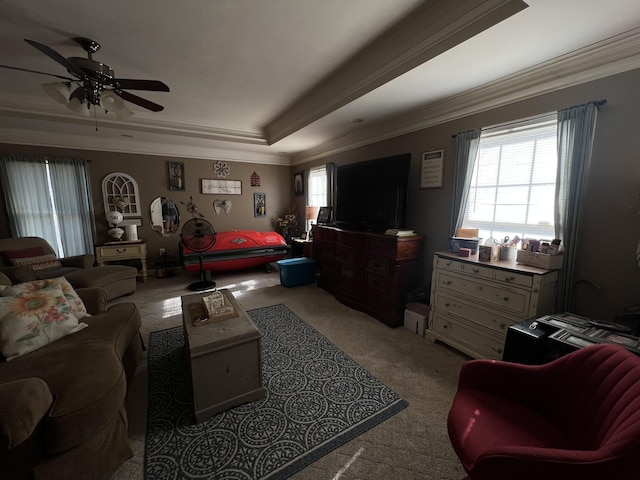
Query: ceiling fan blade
point(130, 97)
point(51, 53)
point(36, 71)
point(132, 84)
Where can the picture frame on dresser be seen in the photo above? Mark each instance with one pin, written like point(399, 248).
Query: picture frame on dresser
point(324, 215)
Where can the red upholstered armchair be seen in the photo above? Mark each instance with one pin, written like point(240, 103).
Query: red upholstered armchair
point(577, 417)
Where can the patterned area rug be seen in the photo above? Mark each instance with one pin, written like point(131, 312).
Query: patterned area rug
point(317, 400)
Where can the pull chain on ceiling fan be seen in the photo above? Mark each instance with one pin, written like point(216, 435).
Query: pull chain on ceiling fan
point(93, 83)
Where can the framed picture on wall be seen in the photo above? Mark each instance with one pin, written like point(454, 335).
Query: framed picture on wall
point(260, 204)
point(432, 166)
point(176, 176)
point(298, 183)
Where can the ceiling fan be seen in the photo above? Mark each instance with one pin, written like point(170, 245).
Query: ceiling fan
point(93, 82)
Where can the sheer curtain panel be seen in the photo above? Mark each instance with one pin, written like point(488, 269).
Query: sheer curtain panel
point(49, 197)
point(576, 127)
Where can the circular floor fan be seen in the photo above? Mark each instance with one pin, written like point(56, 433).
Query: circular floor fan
point(199, 236)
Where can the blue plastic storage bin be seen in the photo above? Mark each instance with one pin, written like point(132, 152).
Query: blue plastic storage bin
point(296, 271)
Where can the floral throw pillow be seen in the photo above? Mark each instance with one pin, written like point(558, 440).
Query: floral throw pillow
point(75, 302)
point(34, 319)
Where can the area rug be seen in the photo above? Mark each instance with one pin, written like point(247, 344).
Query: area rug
point(317, 399)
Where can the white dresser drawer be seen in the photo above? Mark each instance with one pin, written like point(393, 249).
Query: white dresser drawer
point(448, 264)
point(514, 278)
point(484, 318)
point(514, 300)
point(477, 270)
point(465, 337)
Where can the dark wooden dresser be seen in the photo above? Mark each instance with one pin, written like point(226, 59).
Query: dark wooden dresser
point(370, 272)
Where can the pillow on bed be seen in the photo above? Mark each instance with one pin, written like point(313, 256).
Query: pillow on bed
point(34, 319)
point(75, 302)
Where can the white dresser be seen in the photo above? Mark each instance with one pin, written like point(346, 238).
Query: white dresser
point(473, 303)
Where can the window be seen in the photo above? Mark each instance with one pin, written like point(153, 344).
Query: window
point(49, 197)
point(317, 190)
point(512, 190)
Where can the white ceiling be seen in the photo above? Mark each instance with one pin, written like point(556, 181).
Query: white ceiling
point(281, 81)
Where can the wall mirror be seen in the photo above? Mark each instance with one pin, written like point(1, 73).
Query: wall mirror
point(165, 216)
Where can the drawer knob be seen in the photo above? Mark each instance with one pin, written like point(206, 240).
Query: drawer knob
point(499, 350)
point(502, 325)
point(121, 250)
point(475, 270)
point(447, 282)
point(510, 279)
point(506, 299)
point(446, 304)
point(448, 263)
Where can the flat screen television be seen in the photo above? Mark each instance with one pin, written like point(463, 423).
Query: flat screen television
point(372, 195)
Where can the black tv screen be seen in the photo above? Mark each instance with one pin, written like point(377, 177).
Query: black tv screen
point(372, 195)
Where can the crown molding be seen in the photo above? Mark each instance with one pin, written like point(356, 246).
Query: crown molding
point(155, 148)
point(615, 55)
point(32, 107)
point(432, 28)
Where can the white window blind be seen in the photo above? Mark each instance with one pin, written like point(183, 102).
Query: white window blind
point(512, 190)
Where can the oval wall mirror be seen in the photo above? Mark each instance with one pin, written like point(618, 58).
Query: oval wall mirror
point(165, 216)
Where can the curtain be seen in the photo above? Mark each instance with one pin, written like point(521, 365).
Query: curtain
point(331, 185)
point(576, 127)
point(50, 197)
point(466, 146)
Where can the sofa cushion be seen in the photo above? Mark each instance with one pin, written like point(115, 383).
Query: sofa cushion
point(75, 302)
point(34, 319)
point(30, 399)
point(85, 374)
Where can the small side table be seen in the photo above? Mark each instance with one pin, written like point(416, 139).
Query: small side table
point(301, 248)
point(114, 251)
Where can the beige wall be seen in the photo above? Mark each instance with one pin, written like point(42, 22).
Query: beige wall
point(151, 174)
point(611, 230)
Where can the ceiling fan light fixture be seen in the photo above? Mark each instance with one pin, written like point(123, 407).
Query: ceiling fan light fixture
point(59, 91)
point(79, 107)
point(110, 101)
point(123, 113)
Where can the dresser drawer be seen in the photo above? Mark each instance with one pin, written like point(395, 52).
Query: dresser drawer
point(114, 252)
point(485, 319)
point(378, 283)
point(448, 264)
point(477, 270)
point(514, 278)
point(349, 271)
point(381, 247)
point(349, 240)
point(467, 338)
point(378, 265)
point(492, 293)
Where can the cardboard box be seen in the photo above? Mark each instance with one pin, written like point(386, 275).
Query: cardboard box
point(296, 271)
point(415, 317)
point(540, 260)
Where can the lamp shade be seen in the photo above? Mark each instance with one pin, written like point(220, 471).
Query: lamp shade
point(59, 91)
point(311, 213)
point(110, 101)
point(77, 106)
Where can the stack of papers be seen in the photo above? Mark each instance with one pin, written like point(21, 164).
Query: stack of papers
point(400, 233)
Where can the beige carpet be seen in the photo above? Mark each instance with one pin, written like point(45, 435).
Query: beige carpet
point(411, 445)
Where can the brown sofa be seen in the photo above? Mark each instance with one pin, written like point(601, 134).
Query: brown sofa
point(62, 406)
point(117, 280)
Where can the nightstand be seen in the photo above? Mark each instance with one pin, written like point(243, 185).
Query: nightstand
point(114, 251)
point(301, 248)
